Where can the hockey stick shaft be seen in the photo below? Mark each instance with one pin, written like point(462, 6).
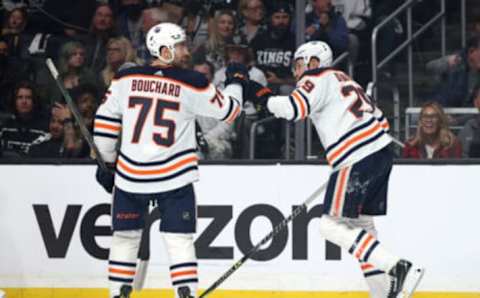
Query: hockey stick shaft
point(144, 255)
point(76, 114)
point(277, 229)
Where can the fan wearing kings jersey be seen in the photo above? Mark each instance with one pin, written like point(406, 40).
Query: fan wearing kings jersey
point(354, 133)
point(152, 110)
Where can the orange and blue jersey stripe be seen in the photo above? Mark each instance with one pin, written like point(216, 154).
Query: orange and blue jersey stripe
point(384, 123)
point(234, 110)
point(353, 140)
point(300, 104)
point(107, 127)
point(176, 165)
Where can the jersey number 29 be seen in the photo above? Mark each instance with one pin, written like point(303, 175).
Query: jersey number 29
point(161, 105)
point(362, 103)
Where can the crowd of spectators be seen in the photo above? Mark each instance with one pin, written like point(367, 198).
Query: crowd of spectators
point(90, 40)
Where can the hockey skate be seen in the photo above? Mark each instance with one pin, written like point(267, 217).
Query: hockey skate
point(184, 292)
point(404, 279)
point(124, 292)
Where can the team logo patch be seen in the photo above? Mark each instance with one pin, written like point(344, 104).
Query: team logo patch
point(186, 215)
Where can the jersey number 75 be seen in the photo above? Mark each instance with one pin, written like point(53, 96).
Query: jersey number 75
point(161, 105)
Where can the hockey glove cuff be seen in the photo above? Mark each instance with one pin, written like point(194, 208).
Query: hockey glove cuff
point(236, 73)
point(106, 178)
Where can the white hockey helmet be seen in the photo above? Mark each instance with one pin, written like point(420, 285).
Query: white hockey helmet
point(164, 35)
point(315, 49)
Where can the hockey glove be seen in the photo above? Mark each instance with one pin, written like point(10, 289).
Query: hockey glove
point(258, 95)
point(236, 73)
point(106, 178)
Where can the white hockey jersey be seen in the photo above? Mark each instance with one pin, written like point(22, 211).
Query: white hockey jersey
point(349, 126)
point(153, 109)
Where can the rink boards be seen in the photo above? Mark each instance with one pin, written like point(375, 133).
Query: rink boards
point(55, 236)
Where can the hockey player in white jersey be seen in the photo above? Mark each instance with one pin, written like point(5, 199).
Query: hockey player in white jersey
point(354, 134)
point(152, 109)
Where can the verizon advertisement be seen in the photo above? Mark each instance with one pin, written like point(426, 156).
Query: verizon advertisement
point(54, 228)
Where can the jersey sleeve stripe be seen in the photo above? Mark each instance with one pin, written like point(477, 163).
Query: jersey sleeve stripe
point(99, 125)
point(305, 99)
point(295, 109)
point(300, 103)
point(109, 119)
point(230, 109)
point(105, 135)
point(234, 115)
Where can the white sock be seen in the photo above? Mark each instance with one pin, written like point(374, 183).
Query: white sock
point(122, 260)
point(378, 282)
point(358, 242)
point(183, 263)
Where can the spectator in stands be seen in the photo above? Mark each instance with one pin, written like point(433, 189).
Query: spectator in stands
point(15, 21)
point(53, 145)
point(213, 136)
point(204, 67)
point(457, 75)
point(196, 22)
point(239, 53)
point(176, 10)
point(475, 27)
point(13, 32)
point(28, 126)
point(150, 17)
point(252, 13)
point(75, 15)
point(357, 14)
point(222, 33)
point(74, 144)
point(469, 136)
point(119, 52)
point(274, 48)
point(433, 139)
point(102, 28)
point(324, 24)
point(12, 70)
point(72, 70)
point(129, 21)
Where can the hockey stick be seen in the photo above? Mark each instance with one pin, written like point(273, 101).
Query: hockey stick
point(274, 232)
point(143, 254)
point(76, 114)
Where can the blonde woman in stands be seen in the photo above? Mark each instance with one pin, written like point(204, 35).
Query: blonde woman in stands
point(223, 31)
point(120, 53)
point(433, 138)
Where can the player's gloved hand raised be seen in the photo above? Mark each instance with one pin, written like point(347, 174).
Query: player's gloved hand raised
point(106, 177)
point(236, 73)
point(258, 94)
